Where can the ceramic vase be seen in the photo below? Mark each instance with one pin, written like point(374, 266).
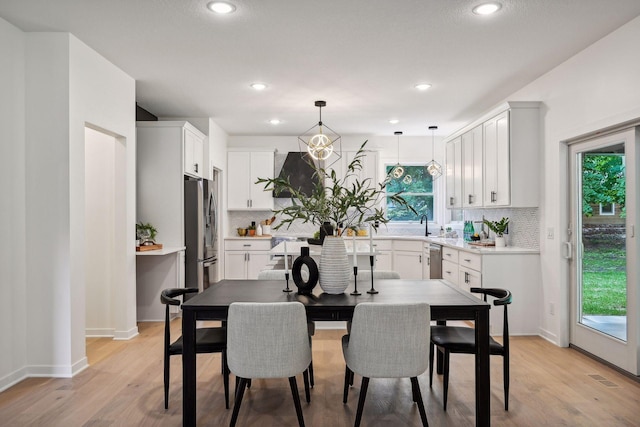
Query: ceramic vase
point(500, 242)
point(334, 266)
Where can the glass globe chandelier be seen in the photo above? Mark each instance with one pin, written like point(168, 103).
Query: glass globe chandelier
point(433, 168)
point(398, 170)
point(321, 142)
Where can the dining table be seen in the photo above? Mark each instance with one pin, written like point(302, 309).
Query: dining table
point(447, 302)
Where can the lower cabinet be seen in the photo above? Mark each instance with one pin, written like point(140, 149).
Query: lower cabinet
point(384, 254)
point(245, 258)
point(407, 259)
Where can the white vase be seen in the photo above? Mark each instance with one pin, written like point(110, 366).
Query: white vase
point(500, 242)
point(334, 266)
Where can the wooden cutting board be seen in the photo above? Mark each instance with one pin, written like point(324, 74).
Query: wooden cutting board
point(149, 247)
point(482, 243)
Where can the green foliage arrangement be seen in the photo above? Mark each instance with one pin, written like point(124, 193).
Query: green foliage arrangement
point(498, 227)
point(145, 231)
point(603, 181)
point(347, 201)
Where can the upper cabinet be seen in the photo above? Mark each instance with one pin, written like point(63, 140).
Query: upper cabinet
point(453, 171)
point(500, 159)
point(193, 159)
point(243, 170)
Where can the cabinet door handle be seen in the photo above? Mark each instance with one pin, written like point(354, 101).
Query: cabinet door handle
point(247, 245)
point(420, 258)
point(195, 167)
point(250, 203)
point(470, 199)
point(248, 257)
point(466, 277)
point(493, 196)
point(450, 201)
point(428, 260)
point(467, 260)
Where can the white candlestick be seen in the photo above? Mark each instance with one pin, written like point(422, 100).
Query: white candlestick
point(370, 239)
point(355, 253)
point(286, 258)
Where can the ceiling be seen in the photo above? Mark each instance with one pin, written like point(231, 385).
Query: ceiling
point(363, 57)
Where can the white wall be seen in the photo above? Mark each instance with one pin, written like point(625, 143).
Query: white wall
point(598, 87)
point(55, 86)
point(13, 254)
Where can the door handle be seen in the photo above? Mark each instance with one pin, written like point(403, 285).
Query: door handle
point(569, 253)
point(493, 196)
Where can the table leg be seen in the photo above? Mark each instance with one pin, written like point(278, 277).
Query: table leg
point(439, 356)
point(483, 373)
point(189, 368)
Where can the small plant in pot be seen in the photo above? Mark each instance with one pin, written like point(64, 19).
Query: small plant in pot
point(146, 233)
point(498, 227)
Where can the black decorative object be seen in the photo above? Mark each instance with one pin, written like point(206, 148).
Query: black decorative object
point(355, 282)
point(326, 229)
point(372, 290)
point(304, 259)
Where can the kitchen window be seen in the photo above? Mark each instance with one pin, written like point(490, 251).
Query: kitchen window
point(418, 192)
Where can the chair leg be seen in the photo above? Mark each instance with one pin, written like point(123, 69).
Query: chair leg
point(413, 391)
point(347, 376)
point(225, 379)
point(305, 377)
point(311, 374)
point(242, 384)
point(431, 365)
point(296, 400)
point(505, 369)
point(166, 381)
point(351, 376)
point(418, 399)
point(446, 378)
point(363, 396)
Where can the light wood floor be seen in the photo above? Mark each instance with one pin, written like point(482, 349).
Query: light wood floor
point(550, 386)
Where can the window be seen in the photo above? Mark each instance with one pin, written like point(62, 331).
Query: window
point(418, 194)
point(607, 208)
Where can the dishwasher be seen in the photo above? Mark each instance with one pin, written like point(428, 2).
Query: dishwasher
point(435, 261)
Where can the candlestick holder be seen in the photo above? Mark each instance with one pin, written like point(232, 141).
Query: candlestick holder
point(372, 290)
point(286, 277)
point(355, 281)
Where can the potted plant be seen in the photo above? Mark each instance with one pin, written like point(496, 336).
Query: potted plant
point(252, 230)
point(146, 233)
point(498, 227)
point(334, 204)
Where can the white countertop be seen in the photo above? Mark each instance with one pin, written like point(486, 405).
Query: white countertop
point(293, 248)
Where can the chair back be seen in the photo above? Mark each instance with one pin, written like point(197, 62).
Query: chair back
point(169, 297)
point(389, 340)
point(267, 340)
point(502, 297)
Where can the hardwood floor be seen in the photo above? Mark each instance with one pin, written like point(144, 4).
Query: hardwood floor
point(550, 386)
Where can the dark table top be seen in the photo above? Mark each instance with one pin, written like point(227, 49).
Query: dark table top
point(447, 301)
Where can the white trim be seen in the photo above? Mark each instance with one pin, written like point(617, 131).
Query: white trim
point(126, 335)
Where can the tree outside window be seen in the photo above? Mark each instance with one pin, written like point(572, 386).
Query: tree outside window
point(418, 194)
point(603, 181)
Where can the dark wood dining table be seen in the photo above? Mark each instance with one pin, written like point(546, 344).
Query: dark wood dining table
point(446, 300)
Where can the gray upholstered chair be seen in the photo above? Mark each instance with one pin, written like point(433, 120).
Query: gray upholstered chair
point(387, 341)
point(365, 276)
point(311, 326)
point(268, 340)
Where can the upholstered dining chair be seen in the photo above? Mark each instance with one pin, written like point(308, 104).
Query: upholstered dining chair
point(208, 340)
point(268, 340)
point(461, 339)
point(365, 276)
point(387, 341)
point(311, 326)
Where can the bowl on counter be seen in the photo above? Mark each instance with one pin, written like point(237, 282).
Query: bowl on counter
point(242, 232)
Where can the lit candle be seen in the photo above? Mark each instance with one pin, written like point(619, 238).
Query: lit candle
point(286, 258)
point(370, 240)
point(355, 253)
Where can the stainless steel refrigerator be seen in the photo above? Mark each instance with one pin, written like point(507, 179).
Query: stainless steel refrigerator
point(200, 231)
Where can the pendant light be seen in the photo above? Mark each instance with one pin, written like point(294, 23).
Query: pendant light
point(433, 168)
point(398, 170)
point(320, 140)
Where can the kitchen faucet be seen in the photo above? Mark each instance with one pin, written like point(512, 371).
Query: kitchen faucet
point(426, 224)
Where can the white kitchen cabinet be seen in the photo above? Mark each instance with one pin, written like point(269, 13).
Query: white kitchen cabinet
point(450, 271)
point(453, 171)
point(243, 170)
point(369, 169)
point(245, 258)
point(384, 257)
point(496, 161)
point(407, 259)
point(426, 262)
point(472, 179)
point(193, 157)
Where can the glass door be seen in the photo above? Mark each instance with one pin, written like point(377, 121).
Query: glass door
point(604, 282)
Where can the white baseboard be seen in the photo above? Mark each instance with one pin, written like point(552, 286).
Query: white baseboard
point(126, 335)
point(13, 378)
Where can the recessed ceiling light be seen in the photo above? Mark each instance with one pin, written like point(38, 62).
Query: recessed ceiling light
point(394, 121)
point(275, 121)
point(259, 86)
point(221, 7)
point(423, 86)
point(487, 8)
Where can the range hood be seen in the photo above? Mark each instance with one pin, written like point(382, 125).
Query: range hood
point(301, 174)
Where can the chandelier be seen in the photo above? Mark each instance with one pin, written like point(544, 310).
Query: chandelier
point(321, 142)
point(433, 168)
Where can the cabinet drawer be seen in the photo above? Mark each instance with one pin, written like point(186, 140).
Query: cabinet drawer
point(470, 279)
point(449, 254)
point(247, 245)
point(470, 260)
point(406, 245)
point(450, 271)
point(382, 245)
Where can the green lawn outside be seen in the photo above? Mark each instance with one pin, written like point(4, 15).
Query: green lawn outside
point(604, 282)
